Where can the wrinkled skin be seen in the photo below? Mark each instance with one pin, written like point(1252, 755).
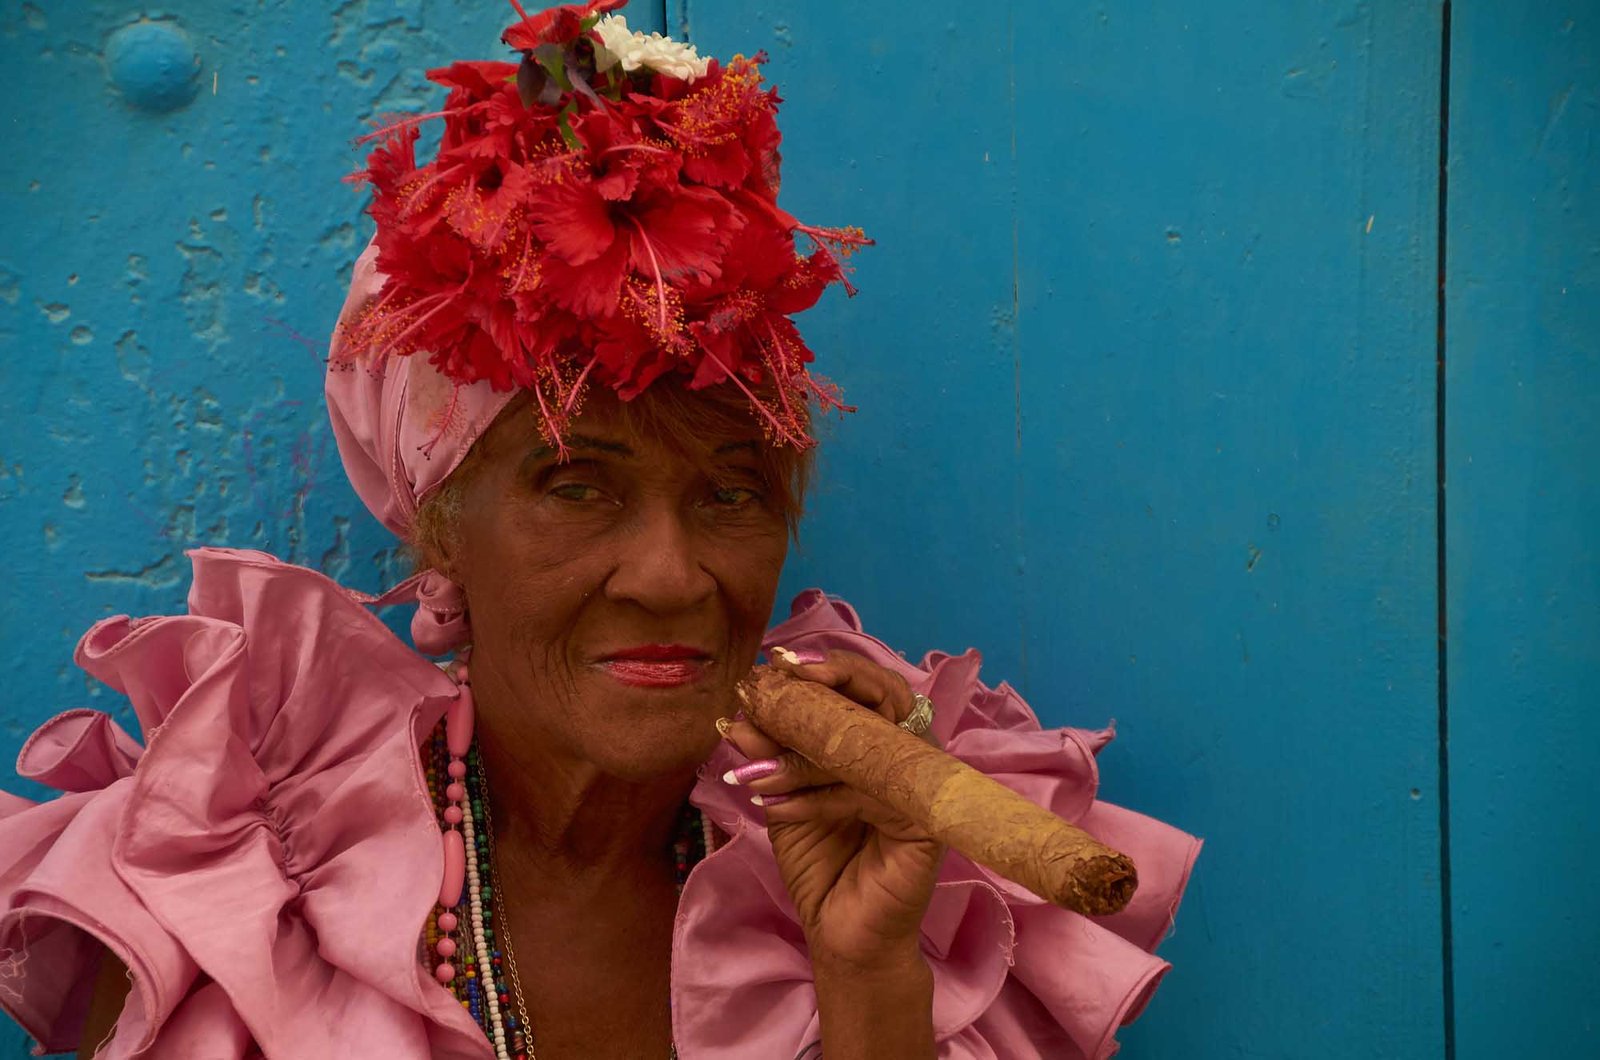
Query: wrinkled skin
point(860, 874)
point(563, 563)
point(629, 543)
point(624, 544)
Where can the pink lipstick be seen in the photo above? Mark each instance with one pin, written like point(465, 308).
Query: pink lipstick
point(656, 665)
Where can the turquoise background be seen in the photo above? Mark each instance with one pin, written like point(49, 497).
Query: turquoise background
point(1231, 370)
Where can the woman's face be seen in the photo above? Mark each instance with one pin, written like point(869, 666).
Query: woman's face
point(617, 597)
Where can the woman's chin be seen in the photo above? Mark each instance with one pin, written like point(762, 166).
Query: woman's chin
point(655, 744)
point(646, 733)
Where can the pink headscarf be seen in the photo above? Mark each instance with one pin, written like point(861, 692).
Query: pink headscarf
point(402, 428)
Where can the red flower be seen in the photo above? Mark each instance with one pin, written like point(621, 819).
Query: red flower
point(725, 126)
point(555, 26)
point(607, 239)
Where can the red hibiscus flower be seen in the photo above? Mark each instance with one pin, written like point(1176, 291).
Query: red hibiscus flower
point(606, 233)
point(555, 26)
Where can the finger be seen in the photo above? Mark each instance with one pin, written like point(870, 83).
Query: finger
point(882, 690)
point(785, 772)
point(837, 804)
point(854, 676)
point(831, 803)
point(747, 739)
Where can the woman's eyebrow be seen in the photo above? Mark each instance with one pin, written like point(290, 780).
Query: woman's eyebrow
point(734, 447)
point(585, 442)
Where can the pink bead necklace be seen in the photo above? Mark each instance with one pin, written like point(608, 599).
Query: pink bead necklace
point(460, 942)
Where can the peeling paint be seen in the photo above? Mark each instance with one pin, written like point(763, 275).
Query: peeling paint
point(340, 237)
point(335, 560)
point(201, 292)
point(164, 316)
point(158, 574)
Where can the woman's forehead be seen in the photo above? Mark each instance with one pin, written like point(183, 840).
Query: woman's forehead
point(606, 427)
point(619, 443)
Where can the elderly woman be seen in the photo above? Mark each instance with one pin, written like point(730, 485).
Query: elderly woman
point(567, 376)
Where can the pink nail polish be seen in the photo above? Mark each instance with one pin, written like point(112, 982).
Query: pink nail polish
point(798, 658)
point(768, 800)
point(760, 769)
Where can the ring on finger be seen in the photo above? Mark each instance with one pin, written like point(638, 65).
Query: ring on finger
point(921, 717)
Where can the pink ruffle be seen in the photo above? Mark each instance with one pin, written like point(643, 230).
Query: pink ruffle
point(1014, 977)
point(265, 864)
point(274, 853)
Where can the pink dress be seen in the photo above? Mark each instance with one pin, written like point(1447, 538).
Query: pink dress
point(264, 864)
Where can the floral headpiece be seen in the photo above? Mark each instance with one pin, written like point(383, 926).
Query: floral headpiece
point(605, 212)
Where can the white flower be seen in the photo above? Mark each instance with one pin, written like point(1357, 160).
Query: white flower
point(652, 51)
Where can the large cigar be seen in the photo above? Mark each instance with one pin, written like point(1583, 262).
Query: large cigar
point(951, 801)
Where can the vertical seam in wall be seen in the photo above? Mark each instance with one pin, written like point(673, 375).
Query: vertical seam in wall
point(1014, 176)
point(1447, 947)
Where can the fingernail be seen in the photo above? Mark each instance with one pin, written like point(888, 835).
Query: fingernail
point(760, 769)
point(767, 800)
point(723, 725)
point(799, 658)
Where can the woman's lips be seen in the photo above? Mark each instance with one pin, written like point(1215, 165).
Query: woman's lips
point(644, 673)
point(656, 666)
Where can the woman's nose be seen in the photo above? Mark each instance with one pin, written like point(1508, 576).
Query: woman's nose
point(661, 567)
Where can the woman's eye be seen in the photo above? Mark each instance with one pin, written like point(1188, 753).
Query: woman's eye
point(575, 491)
point(735, 496)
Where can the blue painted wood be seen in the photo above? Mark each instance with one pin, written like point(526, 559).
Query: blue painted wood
point(1523, 505)
point(1145, 362)
point(176, 244)
point(167, 284)
point(1227, 337)
point(1145, 372)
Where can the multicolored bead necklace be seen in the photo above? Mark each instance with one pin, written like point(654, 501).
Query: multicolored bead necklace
point(460, 941)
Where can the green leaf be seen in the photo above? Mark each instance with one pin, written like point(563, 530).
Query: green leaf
point(565, 125)
point(550, 57)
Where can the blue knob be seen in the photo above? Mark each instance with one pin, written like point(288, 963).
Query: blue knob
point(153, 65)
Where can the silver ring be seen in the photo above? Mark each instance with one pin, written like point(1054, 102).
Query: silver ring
point(921, 717)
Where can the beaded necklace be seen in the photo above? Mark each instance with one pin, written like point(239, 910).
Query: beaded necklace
point(475, 962)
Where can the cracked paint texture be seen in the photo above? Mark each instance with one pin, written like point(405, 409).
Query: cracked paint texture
point(168, 281)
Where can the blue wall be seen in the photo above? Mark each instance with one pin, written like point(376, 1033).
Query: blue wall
point(1147, 361)
point(1522, 444)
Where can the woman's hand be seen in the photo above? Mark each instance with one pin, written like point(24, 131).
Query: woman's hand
point(860, 875)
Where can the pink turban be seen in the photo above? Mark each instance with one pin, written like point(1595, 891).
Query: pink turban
point(402, 428)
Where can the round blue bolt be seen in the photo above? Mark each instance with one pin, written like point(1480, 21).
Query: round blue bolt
point(153, 65)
